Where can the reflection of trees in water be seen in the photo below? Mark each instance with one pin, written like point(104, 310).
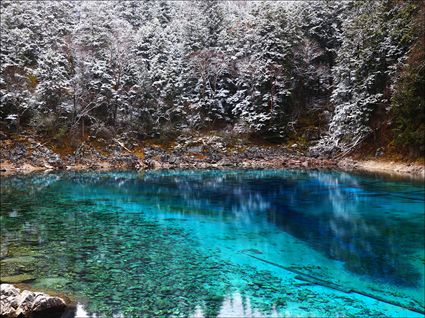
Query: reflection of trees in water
point(123, 264)
point(331, 218)
point(322, 209)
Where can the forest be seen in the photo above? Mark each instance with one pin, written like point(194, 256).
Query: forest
point(212, 158)
point(328, 74)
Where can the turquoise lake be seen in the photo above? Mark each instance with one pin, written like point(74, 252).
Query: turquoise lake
point(269, 243)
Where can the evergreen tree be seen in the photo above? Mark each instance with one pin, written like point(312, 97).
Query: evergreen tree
point(365, 65)
point(266, 91)
point(160, 66)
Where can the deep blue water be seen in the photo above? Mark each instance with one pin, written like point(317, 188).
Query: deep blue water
point(218, 243)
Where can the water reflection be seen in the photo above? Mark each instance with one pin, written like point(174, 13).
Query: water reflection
point(234, 305)
point(357, 221)
point(136, 244)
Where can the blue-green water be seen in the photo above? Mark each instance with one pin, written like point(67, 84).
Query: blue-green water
point(218, 243)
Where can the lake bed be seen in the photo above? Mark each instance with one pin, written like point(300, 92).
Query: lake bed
point(246, 243)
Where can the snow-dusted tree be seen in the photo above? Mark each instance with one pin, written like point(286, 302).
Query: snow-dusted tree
point(319, 25)
point(157, 66)
point(29, 29)
point(373, 45)
point(104, 48)
point(213, 14)
point(202, 65)
point(134, 12)
point(408, 100)
point(163, 12)
point(54, 90)
point(264, 60)
point(165, 56)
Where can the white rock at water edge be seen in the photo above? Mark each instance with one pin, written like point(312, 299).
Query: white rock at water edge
point(14, 303)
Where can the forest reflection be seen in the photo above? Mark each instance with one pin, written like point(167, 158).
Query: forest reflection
point(337, 214)
point(95, 231)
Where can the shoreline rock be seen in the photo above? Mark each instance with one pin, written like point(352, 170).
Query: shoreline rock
point(205, 152)
point(14, 303)
point(409, 170)
point(386, 167)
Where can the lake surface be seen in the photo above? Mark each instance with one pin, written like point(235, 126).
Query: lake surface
point(218, 243)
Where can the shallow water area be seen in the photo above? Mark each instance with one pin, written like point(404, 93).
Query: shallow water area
point(218, 243)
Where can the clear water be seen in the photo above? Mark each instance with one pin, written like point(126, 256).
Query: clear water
point(218, 243)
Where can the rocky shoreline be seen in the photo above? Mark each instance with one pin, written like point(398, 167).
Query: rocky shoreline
point(412, 170)
point(16, 303)
point(186, 153)
point(211, 152)
point(202, 152)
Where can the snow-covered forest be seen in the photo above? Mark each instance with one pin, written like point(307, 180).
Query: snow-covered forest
point(270, 69)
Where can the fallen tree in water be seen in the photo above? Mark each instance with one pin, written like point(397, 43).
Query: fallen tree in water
point(318, 281)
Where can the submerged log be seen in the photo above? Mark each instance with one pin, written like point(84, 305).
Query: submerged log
point(318, 281)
